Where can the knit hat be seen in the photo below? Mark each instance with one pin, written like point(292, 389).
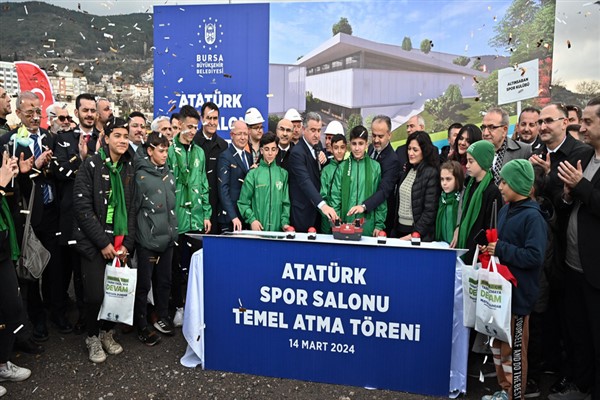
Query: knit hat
point(518, 174)
point(483, 152)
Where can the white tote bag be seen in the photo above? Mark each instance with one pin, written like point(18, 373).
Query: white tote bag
point(494, 299)
point(119, 293)
point(470, 280)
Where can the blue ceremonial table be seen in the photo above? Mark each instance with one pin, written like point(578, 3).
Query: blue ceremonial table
point(385, 316)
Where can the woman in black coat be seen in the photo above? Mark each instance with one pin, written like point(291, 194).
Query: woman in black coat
point(419, 190)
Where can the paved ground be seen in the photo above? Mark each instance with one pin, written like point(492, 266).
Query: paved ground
point(64, 372)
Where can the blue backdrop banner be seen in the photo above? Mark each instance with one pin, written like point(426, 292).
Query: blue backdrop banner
point(370, 316)
point(217, 53)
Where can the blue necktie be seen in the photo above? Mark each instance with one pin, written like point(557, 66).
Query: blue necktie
point(245, 160)
point(37, 152)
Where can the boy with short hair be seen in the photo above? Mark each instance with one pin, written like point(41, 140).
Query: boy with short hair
point(156, 235)
point(338, 150)
point(103, 193)
point(264, 201)
point(356, 180)
point(521, 247)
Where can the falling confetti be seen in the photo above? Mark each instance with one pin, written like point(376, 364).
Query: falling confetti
point(539, 43)
point(523, 70)
point(568, 44)
point(475, 79)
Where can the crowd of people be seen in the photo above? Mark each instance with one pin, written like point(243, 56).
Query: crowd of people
point(105, 188)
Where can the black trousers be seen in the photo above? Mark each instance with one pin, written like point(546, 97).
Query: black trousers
point(583, 332)
point(182, 255)
point(157, 265)
point(92, 274)
point(73, 259)
point(10, 308)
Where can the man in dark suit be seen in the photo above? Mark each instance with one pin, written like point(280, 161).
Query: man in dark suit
point(582, 278)
point(381, 150)
point(233, 165)
point(32, 147)
point(304, 177)
point(285, 129)
point(213, 145)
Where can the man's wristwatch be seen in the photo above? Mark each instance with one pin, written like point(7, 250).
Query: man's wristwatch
point(364, 207)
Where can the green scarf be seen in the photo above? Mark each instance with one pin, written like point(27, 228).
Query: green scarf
point(6, 222)
point(117, 195)
point(346, 173)
point(183, 174)
point(473, 208)
point(445, 223)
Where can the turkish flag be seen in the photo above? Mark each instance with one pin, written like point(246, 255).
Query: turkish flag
point(32, 78)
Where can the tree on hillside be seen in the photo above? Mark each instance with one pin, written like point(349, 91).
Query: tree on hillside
point(461, 60)
point(342, 26)
point(406, 44)
point(426, 46)
point(588, 88)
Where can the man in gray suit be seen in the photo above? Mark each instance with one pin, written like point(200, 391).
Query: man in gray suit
point(495, 129)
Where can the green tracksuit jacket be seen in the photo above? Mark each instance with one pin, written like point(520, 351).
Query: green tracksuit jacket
point(357, 194)
point(188, 166)
point(327, 175)
point(264, 197)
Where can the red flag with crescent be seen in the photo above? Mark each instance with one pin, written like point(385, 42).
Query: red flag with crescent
point(32, 78)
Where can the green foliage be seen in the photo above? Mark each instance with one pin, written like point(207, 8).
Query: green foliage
point(342, 26)
point(461, 60)
point(488, 93)
point(526, 31)
point(353, 120)
point(445, 108)
point(426, 46)
point(476, 64)
point(406, 44)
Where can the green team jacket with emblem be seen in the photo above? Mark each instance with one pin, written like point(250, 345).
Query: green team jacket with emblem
point(192, 206)
point(264, 197)
point(327, 175)
point(373, 218)
point(155, 202)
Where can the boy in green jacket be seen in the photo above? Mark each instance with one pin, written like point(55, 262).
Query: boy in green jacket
point(264, 200)
point(356, 180)
point(156, 235)
point(187, 162)
point(338, 149)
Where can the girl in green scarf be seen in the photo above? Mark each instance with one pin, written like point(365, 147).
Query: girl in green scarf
point(452, 181)
point(478, 198)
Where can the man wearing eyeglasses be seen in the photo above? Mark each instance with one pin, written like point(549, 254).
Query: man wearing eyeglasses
point(234, 164)
point(581, 192)
point(255, 121)
point(137, 130)
point(5, 109)
point(495, 129)
point(285, 131)
point(33, 147)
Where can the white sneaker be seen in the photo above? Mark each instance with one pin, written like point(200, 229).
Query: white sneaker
point(14, 373)
point(97, 355)
point(2, 391)
point(178, 320)
point(109, 343)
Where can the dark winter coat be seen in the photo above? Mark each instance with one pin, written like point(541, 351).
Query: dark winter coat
point(425, 198)
point(521, 246)
point(156, 228)
point(90, 202)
